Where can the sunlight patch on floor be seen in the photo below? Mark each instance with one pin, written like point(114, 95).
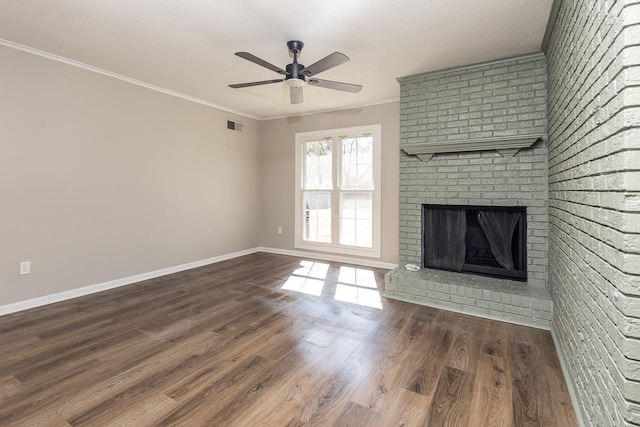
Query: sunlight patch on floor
point(358, 286)
point(308, 279)
point(355, 285)
point(304, 284)
point(357, 277)
point(317, 270)
point(360, 296)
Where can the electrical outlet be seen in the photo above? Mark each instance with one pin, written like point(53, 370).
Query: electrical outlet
point(279, 230)
point(25, 267)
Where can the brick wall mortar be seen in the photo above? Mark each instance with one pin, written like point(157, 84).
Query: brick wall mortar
point(504, 98)
point(594, 203)
point(501, 99)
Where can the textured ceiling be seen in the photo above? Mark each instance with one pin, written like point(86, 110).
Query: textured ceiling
point(188, 46)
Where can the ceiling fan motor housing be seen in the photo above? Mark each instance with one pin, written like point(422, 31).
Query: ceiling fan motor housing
point(294, 71)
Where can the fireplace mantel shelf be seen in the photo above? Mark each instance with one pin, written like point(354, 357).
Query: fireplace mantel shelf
point(505, 145)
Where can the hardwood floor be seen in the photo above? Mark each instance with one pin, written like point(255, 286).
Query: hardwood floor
point(270, 340)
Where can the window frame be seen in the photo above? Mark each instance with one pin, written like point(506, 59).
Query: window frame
point(335, 247)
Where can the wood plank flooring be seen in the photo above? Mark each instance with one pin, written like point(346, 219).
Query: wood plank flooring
point(270, 340)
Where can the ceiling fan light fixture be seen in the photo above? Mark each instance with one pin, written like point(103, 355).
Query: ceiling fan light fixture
point(295, 82)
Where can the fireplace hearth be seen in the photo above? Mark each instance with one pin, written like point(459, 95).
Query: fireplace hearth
point(484, 240)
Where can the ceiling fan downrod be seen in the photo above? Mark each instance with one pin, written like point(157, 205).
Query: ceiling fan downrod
point(295, 78)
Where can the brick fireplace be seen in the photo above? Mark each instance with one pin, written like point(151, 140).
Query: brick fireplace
point(456, 116)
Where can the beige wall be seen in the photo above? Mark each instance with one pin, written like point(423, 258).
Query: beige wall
point(278, 164)
point(101, 179)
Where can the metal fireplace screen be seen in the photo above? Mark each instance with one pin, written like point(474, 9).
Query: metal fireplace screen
point(486, 240)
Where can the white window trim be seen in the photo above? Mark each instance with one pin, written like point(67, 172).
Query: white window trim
point(300, 243)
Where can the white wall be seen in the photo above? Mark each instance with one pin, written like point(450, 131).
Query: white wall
point(101, 179)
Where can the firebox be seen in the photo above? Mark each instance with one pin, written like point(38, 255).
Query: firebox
point(485, 240)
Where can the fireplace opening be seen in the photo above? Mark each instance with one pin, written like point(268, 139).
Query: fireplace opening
point(485, 240)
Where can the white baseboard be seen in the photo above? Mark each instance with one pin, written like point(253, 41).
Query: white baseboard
point(330, 257)
point(568, 379)
point(98, 287)
point(86, 290)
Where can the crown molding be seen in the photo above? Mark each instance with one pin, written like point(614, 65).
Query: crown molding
point(117, 76)
point(170, 92)
point(437, 73)
point(555, 8)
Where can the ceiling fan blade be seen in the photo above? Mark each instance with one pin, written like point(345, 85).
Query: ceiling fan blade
point(328, 84)
point(296, 94)
point(263, 82)
point(333, 60)
point(261, 62)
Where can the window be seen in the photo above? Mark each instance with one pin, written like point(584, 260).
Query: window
point(338, 191)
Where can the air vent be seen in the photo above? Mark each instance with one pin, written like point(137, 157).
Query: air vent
point(234, 126)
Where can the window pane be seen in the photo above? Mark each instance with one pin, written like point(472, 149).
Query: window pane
point(356, 170)
point(356, 213)
point(317, 165)
point(364, 205)
point(348, 231)
point(317, 216)
point(348, 171)
point(363, 233)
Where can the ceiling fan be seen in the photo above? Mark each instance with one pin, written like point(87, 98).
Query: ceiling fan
point(297, 75)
